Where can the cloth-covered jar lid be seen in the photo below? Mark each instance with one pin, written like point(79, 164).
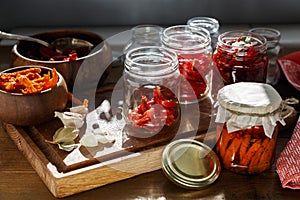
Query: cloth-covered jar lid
point(246, 104)
point(250, 98)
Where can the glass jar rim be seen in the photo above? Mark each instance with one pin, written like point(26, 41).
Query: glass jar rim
point(211, 24)
point(148, 28)
point(186, 38)
point(272, 35)
point(239, 33)
point(146, 31)
point(151, 61)
point(266, 30)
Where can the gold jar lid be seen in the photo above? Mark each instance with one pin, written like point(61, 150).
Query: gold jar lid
point(190, 164)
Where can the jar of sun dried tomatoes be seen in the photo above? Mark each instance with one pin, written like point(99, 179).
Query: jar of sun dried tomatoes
point(247, 119)
point(151, 81)
point(193, 47)
point(241, 56)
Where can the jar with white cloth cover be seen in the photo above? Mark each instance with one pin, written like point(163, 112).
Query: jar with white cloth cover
point(247, 119)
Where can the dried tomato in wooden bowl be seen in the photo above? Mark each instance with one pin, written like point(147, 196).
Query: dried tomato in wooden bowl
point(29, 95)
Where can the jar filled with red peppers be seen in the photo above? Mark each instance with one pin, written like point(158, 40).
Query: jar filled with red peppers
point(241, 56)
point(193, 47)
point(247, 119)
point(151, 80)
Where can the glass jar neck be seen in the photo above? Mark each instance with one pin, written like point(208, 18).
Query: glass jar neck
point(186, 38)
point(151, 61)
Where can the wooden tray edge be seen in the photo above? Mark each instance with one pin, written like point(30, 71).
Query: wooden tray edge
point(66, 184)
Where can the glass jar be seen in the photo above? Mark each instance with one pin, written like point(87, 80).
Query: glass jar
point(247, 119)
point(151, 81)
point(209, 23)
point(241, 56)
point(273, 37)
point(144, 35)
point(193, 47)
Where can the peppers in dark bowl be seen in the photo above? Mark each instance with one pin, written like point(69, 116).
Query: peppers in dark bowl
point(92, 64)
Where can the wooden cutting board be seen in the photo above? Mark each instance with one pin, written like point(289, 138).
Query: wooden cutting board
point(66, 173)
point(64, 179)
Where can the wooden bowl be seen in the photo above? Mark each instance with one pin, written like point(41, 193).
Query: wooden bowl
point(91, 68)
point(31, 109)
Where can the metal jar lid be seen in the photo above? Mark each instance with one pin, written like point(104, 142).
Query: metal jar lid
point(190, 164)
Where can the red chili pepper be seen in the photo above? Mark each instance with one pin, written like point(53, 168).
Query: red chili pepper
point(144, 105)
point(168, 104)
point(73, 56)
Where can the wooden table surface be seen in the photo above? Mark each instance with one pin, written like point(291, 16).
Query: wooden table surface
point(18, 180)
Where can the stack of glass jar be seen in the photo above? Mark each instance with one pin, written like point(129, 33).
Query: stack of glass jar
point(159, 78)
point(177, 70)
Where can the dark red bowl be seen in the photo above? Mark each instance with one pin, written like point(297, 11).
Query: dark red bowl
point(88, 67)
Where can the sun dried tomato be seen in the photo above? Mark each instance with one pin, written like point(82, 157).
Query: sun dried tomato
point(155, 113)
point(194, 68)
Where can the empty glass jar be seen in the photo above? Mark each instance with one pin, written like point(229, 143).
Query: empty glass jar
point(193, 47)
point(209, 23)
point(144, 35)
point(241, 56)
point(151, 80)
point(273, 37)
